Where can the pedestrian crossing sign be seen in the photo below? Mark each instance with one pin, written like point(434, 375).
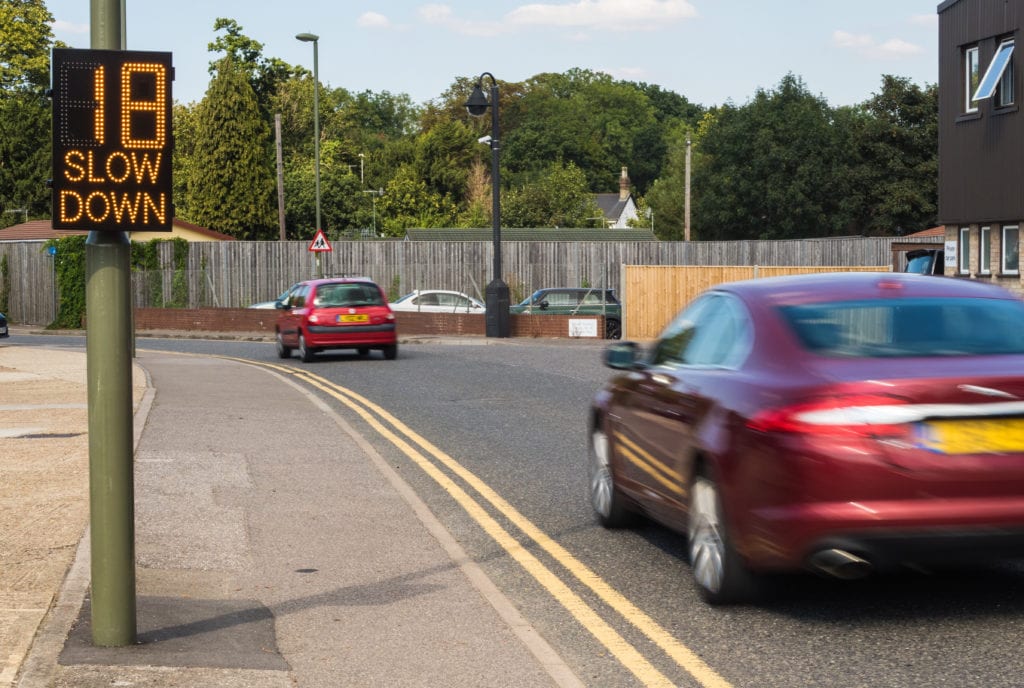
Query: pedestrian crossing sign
point(319, 242)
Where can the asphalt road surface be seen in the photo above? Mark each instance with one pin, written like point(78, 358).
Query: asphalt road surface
point(492, 437)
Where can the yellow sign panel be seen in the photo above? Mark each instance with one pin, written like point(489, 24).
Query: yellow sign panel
point(112, 140)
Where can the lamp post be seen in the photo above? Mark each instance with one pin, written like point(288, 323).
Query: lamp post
point(314, 39)
point(498, 322)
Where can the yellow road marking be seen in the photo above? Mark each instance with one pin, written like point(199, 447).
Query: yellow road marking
point(615, 643)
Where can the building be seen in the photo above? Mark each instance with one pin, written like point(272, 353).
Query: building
point(618, 209)
point(981, 139)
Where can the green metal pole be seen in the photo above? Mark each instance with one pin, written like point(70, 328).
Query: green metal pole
point(109, 378)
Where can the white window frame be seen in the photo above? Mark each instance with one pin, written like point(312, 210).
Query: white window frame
point(999, 65)
point(1015, 268)
point(972, 67)
point(985, 251)
point(1006, 95)
point(965, 250)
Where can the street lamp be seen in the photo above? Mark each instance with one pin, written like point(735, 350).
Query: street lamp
point(498, 322)
point(314, 39)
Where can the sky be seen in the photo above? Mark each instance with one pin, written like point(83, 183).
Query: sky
point(710, 51)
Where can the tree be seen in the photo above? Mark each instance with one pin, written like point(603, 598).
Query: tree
point(264, 74)
point(231, 179)
point(408, 203)
point(559, 198)
point(25, 114)
point(768, 169)
point(894, 155)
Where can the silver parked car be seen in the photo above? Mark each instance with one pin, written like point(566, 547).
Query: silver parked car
point(438, 301)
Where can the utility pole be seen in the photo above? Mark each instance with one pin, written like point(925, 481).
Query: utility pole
point(686, 224)
point(108, 346)
point(280, 177)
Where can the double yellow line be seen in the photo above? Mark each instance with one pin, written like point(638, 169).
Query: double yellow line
point(431, 459)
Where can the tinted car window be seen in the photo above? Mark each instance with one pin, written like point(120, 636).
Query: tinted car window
point(350, 294)
point(909, 327)
point(722, 334)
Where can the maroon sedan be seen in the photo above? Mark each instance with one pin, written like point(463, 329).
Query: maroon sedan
point(842, 423)
point(337, 313)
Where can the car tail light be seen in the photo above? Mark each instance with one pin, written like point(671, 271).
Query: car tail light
point(867, 415)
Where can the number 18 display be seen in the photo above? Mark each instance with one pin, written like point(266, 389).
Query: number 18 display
point(112, 140)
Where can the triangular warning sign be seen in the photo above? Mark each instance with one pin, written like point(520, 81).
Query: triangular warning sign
point(320, 242)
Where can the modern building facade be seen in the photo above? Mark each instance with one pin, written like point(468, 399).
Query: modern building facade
point(981, 139)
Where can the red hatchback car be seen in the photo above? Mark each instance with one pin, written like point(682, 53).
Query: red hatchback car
point(338, 313)
point(842, 423)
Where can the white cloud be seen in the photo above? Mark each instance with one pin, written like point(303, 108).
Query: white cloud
point(895, 47)
point(604, 14)
point(868, 46)
point(442, 15)
point(61, 26)
point(581, 14)
point(925, 20)
point(373, 20)
point(850, 40)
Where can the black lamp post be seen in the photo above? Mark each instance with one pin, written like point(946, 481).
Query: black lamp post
point(498, 322)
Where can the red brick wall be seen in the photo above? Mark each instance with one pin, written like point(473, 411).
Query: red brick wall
point(263, 320)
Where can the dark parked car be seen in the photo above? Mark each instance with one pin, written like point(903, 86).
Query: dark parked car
point(926, 261)
point(576, 301)
point(842, 423)
point(3, 326)
point(338, 313)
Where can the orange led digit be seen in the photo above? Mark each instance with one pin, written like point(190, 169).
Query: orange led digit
point(112, 140)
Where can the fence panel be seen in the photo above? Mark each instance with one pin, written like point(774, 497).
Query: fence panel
point(234, 274)
point(652, 295)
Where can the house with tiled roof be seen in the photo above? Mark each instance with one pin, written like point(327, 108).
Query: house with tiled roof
point(618, 208)
point(42, 230)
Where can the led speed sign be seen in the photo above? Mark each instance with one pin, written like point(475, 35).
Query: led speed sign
point(112, 140)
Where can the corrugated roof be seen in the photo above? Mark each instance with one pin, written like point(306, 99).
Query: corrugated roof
point(513, 234)
point(41, 230)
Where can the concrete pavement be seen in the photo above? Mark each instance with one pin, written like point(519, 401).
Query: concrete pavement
point(274, 547)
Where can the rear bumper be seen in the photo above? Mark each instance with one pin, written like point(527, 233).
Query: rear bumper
point(321, 336)
point(890, 534)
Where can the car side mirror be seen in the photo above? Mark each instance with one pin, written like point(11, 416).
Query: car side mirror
point(621, 356)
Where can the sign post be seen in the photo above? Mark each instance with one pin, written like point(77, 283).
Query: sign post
point(112, 147)
point(319, 245)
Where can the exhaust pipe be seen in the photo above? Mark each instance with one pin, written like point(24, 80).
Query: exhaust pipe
point(840, 564)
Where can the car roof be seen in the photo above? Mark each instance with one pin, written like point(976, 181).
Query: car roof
point(847, 286)
point(338, 280)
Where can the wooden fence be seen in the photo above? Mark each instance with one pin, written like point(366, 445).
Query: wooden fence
point(652, 295)
point(237, 273)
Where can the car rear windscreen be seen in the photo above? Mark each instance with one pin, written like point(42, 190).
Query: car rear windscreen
point(881, 328)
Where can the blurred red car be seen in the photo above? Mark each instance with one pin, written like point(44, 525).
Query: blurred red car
point(842, 423)
point(337, 313)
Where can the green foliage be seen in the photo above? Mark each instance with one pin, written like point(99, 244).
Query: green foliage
point(69, 264)
point(557, 198)
point(767, 169)
point(264, 74)
point(25, 26)
point(231, 180)
point(408, 203)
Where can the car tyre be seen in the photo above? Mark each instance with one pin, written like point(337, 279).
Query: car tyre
point(605, 497)
point(390, 352)
point(282, 350)
point(718, 571)
point(612, 329)
point(305, 352)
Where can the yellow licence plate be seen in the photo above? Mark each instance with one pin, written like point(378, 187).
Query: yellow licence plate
point(359, 317)
point(973, 436)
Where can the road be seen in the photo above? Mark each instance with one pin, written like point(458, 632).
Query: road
point(501, 462)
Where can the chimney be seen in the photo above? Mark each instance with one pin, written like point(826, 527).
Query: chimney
point(624, 185)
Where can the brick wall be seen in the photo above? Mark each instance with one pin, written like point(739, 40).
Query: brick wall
point(263, 320)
